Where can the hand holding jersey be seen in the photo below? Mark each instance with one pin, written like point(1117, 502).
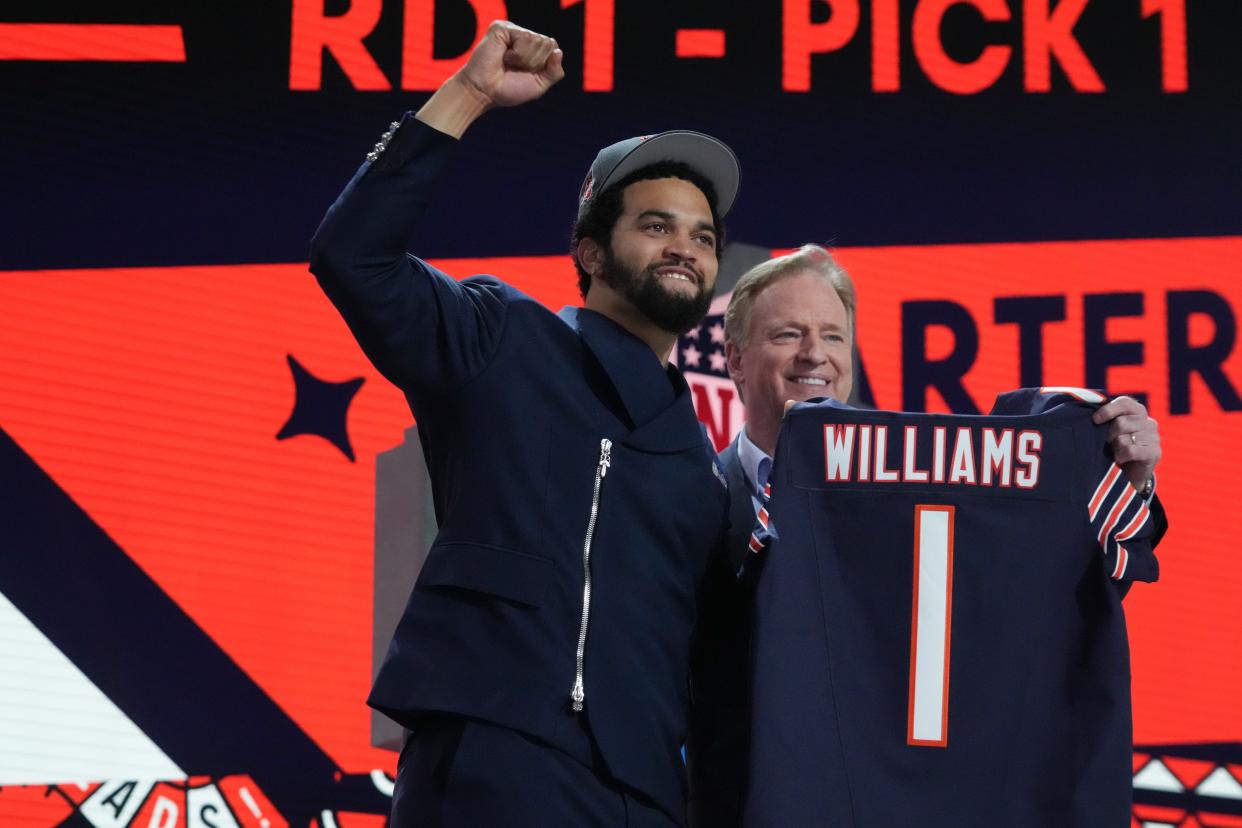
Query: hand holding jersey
point(1134, 438)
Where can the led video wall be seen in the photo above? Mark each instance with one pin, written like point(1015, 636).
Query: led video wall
point(1026, 192)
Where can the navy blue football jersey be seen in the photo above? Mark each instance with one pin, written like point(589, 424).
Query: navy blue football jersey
point(939, 638)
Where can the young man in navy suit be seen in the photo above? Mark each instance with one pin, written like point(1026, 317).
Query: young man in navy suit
point(542, 662)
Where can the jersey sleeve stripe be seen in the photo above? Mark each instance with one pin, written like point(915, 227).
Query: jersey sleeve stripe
point(1114, 514)
point(1123, 558)
point(1106, 484)
point(1120, 513)
point(1132, 528)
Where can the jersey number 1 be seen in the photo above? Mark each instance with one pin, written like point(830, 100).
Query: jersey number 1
point(930, 624)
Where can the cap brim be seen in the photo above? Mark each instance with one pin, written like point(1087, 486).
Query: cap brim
point(704, 153)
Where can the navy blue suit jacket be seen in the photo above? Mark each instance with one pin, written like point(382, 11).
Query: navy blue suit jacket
point(513, 403)
point(718, 748)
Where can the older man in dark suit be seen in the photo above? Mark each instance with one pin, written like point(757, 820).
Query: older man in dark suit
point(789, 336)
point(542, 662)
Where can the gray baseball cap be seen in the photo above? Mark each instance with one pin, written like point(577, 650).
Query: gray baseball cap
point(704, 153)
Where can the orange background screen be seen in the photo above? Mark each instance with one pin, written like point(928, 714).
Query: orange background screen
point(153, 397)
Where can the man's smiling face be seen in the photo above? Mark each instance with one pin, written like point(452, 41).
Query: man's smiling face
point(798, 346)
point(663, 252)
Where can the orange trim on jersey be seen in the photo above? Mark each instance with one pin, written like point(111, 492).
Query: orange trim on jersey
point(1114, 515)
point(1135, 524)
point(1123, 558)
point(1106, 485)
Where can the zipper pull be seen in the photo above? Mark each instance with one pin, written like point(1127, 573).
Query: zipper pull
point(578, 694)
point(605, 456)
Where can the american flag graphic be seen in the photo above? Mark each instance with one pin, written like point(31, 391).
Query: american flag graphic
point(702, 350)
point(700, 354)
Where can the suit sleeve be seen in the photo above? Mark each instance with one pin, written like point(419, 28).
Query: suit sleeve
point(421, 329)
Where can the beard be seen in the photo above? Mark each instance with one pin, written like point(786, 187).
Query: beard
point(673, 312)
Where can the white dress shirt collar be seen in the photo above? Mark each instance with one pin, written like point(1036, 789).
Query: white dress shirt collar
point(752, 458)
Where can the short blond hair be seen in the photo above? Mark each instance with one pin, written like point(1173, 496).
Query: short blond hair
point(809, 258)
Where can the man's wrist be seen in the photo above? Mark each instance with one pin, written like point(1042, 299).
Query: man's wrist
point(454, 106)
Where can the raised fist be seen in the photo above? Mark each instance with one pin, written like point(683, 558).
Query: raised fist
point(512, 65)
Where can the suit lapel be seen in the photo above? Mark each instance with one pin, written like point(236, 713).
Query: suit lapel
point(656, 398)
point(741, 505)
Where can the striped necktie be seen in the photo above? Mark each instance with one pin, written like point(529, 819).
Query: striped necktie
point(763, 531)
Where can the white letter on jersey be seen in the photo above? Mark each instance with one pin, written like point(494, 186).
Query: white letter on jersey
point(883, 474)
point(1029, 445)
point(938, 441)
point(838, 449)
point(910, 472)
point(963, 469)
point(864, 452)
point(997, 456)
